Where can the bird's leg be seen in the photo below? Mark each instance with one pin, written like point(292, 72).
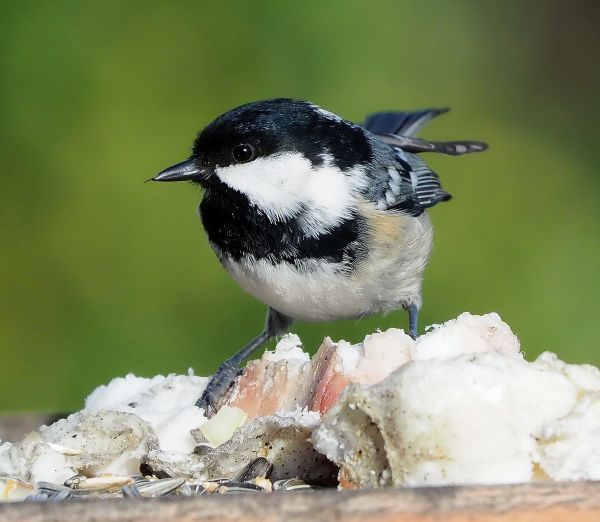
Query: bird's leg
point(275, 324)
point(413, 320)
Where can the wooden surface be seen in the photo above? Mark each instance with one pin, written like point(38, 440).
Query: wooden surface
point(573, 502)
point(540, 502)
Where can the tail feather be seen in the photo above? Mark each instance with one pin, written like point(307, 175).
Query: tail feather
point(403, 123)
point(453, 148)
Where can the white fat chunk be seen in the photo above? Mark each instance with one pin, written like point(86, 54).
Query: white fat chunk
point(166, 403)
point(467, 334)
point(380, 354)
point(458, 406)
point(288, 349)
point(467, 409)
point(570, 448)
point(473, 419)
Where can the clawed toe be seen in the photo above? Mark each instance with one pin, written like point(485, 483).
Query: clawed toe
point(207, 402)
point(217, 388)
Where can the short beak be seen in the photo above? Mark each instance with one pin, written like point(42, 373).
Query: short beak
point(185, 171)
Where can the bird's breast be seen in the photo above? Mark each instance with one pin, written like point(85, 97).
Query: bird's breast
point(308, 290)
point(387, 277)
point(370, 262)
point(237, 229)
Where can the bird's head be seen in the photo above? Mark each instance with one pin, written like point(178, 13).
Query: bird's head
point(282, 154)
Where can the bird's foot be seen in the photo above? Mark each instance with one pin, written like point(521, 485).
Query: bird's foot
point(413, 321)
point(217, 387)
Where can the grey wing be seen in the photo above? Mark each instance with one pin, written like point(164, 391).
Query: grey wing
point(406, 184)
point(403, 181)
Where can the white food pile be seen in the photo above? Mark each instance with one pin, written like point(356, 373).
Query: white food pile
point(468, 409)
point(460, 405)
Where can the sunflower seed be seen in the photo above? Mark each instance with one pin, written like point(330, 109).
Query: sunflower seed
point(37, 497)
point(191, 489)
point(238, 487)
point(49, 488)
point(159, 487)
point(131, 491)
point(259, 467)
point(248, 485)
point(185, 490)
point(252, 478)
point(141, 480)
point(291, 484)
point(63, 494)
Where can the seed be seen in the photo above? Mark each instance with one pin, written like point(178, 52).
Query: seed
point(61, 495)
point(131, 490)
point(105, 482)
point(159, 487)
point(238, 487)
point(74, 482)
point(291, 484)
point(203, 449)
point(12, 488)
point(264, 483)
point(259, 467)
point(193, 489)
point(37, 497)
point(49, 488)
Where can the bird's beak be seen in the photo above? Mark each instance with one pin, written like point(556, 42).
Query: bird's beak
point(185, 171)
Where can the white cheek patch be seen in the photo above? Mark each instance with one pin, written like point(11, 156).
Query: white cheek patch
point(285, 184)
point(269, 183)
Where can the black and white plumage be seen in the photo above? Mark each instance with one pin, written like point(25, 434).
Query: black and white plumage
point(317, 217)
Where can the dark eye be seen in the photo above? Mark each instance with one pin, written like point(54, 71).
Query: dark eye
point(243, 153)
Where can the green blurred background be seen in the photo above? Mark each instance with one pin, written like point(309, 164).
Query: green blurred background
point(101, 275)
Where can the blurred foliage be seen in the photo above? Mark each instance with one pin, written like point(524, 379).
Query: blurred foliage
point(101, 275)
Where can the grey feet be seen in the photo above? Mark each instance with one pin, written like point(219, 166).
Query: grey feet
point(223, 378)
point(221, 381)
point(413, 320)
point(218, 386)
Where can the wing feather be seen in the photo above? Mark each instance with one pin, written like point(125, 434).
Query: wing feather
point(399, 128)
point(409, 185)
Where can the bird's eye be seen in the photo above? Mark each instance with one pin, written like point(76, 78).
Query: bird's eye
point(243, 153)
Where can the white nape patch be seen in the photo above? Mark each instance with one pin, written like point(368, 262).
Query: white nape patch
point(331, 116)
point(287, 185)
point(327, 114)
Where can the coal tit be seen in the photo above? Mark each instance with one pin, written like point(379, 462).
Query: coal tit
point(317, 217)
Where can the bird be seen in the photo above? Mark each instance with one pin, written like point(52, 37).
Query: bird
point(315, 216)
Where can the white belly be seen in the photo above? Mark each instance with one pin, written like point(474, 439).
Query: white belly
point(308, 293)
point(311, 290)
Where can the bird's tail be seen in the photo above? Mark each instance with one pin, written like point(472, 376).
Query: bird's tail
point(401, 123)
point(399, 129)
